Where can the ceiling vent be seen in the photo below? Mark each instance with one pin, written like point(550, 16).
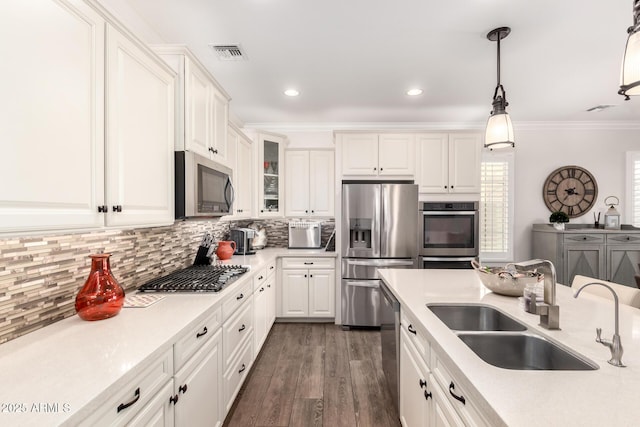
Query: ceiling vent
point(229, 52)
point(599, 108)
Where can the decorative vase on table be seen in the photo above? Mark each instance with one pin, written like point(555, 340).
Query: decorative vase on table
point(101, 296)
point(226, 249)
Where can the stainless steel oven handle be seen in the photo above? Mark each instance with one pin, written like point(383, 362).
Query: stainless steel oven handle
point(376, 263)
point(425, 213)
point(435, 258)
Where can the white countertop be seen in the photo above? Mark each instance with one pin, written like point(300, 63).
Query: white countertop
point(604, 397)
point(76, 364)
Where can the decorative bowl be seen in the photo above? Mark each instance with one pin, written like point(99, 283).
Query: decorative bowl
point(503, 282)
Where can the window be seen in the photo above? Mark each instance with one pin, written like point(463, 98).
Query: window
point(496, 207)
point(633, 189)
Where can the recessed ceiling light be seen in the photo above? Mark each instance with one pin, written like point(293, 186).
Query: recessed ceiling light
point(291, 92)
point(414, 92)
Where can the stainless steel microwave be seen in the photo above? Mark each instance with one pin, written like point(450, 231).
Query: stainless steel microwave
point(203, 187)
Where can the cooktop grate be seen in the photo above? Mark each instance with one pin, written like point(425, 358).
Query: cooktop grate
point(197, 278)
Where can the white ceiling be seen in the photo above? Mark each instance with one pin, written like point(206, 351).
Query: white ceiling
point(353, 60)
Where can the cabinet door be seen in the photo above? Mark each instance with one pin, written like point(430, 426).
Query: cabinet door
point(444, 415)
point(464, 163)
point(271, 301)
point(585, 260)
point(260, 328)
point(219, 123)
point(244, 178)
point(433, 162)
point(360, 154)
point(322, 285)
point(159, 412)
point(415, 407)
point(271, 167)
point(52, 116)
point(297, 183)
point(139, 146)
point(198, 112)
point(199, 387)
point(623, 264)
point(321, 183)
point(295, 293)
point(396, 154)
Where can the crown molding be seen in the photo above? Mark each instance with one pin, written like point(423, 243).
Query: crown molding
point(439, 126)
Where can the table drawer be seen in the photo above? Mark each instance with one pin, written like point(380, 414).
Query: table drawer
point(308, 263)
point(622, 238)
point(235, 331)
point(584, 238)
point(192, 340)
point(234, 300)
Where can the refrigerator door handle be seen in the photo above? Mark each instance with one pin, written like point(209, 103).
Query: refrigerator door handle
point(363, 283)
point(379, 263)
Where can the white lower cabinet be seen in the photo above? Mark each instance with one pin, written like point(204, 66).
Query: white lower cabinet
point(159, 412)
point(308, 287)
point(264, 304)
point(415, 406)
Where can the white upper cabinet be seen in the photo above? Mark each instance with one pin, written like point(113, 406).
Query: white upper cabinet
point(449, 163)
point(377, 155)
point(309, 183)
point(52, 117)
point(202, 106)
point(240, 150)
point(270, 179)
point(140, 135)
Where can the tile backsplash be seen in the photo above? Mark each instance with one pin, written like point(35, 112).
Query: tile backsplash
point(41, 275)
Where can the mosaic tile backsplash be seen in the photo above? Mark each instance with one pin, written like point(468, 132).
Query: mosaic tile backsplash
point(40, 276)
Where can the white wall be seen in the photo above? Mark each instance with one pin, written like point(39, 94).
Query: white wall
point(539, 152)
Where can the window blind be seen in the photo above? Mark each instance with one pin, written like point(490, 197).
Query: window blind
point(494, 207)
point(635, 189)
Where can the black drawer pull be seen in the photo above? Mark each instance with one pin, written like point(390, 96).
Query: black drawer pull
point(410, 329)
point(182, 389)
point(308, 263)
point(271, 268)
point(427, 395)
point(423, 383)
point(117, 208)
point(203, 333)
point(240, 297)
point(242, 328)
point(261, 277)
point(242, 369)
point(262, 289)
point(455, 396)
point(123, 406)
point(173, 399)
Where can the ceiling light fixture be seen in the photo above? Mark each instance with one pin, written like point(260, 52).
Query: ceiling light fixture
point(414, 92)
point(291, 92)
point(630, 78)
point(499, 133)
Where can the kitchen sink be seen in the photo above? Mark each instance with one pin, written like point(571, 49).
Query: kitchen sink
point(474, 317)
point(524, 351)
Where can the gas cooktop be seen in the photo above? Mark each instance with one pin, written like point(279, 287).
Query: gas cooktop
point(197, 278)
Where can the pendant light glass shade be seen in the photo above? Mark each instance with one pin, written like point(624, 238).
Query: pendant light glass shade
point(630, 78)
point(499, 132)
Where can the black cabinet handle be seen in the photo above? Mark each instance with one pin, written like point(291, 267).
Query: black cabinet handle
point(455, 396)
point(213, 150)
point(308, 263)
point(261, 289)
point(312, 211)
point(261, 277)
point(306, 211)
point(173, 399)
point(240, 297)
point(123, 406)
point(261, 210)
point(446, 186)
point(452, 187)
point(380, 169)
point(242, 369)
point(427, 395)
point(268, 286)
point(182, 389)
point(117, 208)
point(103, 209)
point(410, 329)
point(423, 383)
point(203, 333)
point(271, 268)
point(242, 328)
point(375, 169)
point(311, 275)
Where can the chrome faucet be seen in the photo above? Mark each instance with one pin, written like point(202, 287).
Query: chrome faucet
point(548, 310)
point(615, 345)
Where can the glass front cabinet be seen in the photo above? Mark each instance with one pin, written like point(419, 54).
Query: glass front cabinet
point(271, 167)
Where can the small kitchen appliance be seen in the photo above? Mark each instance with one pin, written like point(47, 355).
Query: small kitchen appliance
point(304, 235)
point(243, 238)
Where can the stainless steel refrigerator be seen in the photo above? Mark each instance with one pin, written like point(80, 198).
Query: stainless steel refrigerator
point(379, 230)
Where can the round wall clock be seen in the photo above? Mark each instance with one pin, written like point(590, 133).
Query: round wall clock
point(570, 189)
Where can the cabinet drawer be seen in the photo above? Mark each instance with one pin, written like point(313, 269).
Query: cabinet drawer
point(271, 268)
point(308, 263)
point(237, 372)
point(451, 386)
point(130, 399)
point(584, 238)
point(614, 239)
point(235, 332)
point(231, 303)
point(416, 335)
point(259, 278)
point(195, 338)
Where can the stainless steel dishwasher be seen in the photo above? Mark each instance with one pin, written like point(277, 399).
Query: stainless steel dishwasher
point(390, 340)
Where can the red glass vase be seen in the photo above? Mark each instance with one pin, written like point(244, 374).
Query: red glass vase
point(101, 296)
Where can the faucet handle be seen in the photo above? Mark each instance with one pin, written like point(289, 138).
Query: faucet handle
point(598, 334)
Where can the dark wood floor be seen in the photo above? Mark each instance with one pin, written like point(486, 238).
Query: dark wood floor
point(316, 375)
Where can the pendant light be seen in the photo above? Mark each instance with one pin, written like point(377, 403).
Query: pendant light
point(499, 133)
point(630, 76)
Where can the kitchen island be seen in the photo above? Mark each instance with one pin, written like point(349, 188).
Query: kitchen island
point(602, 397)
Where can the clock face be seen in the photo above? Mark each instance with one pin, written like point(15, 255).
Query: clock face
point(570, 189)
